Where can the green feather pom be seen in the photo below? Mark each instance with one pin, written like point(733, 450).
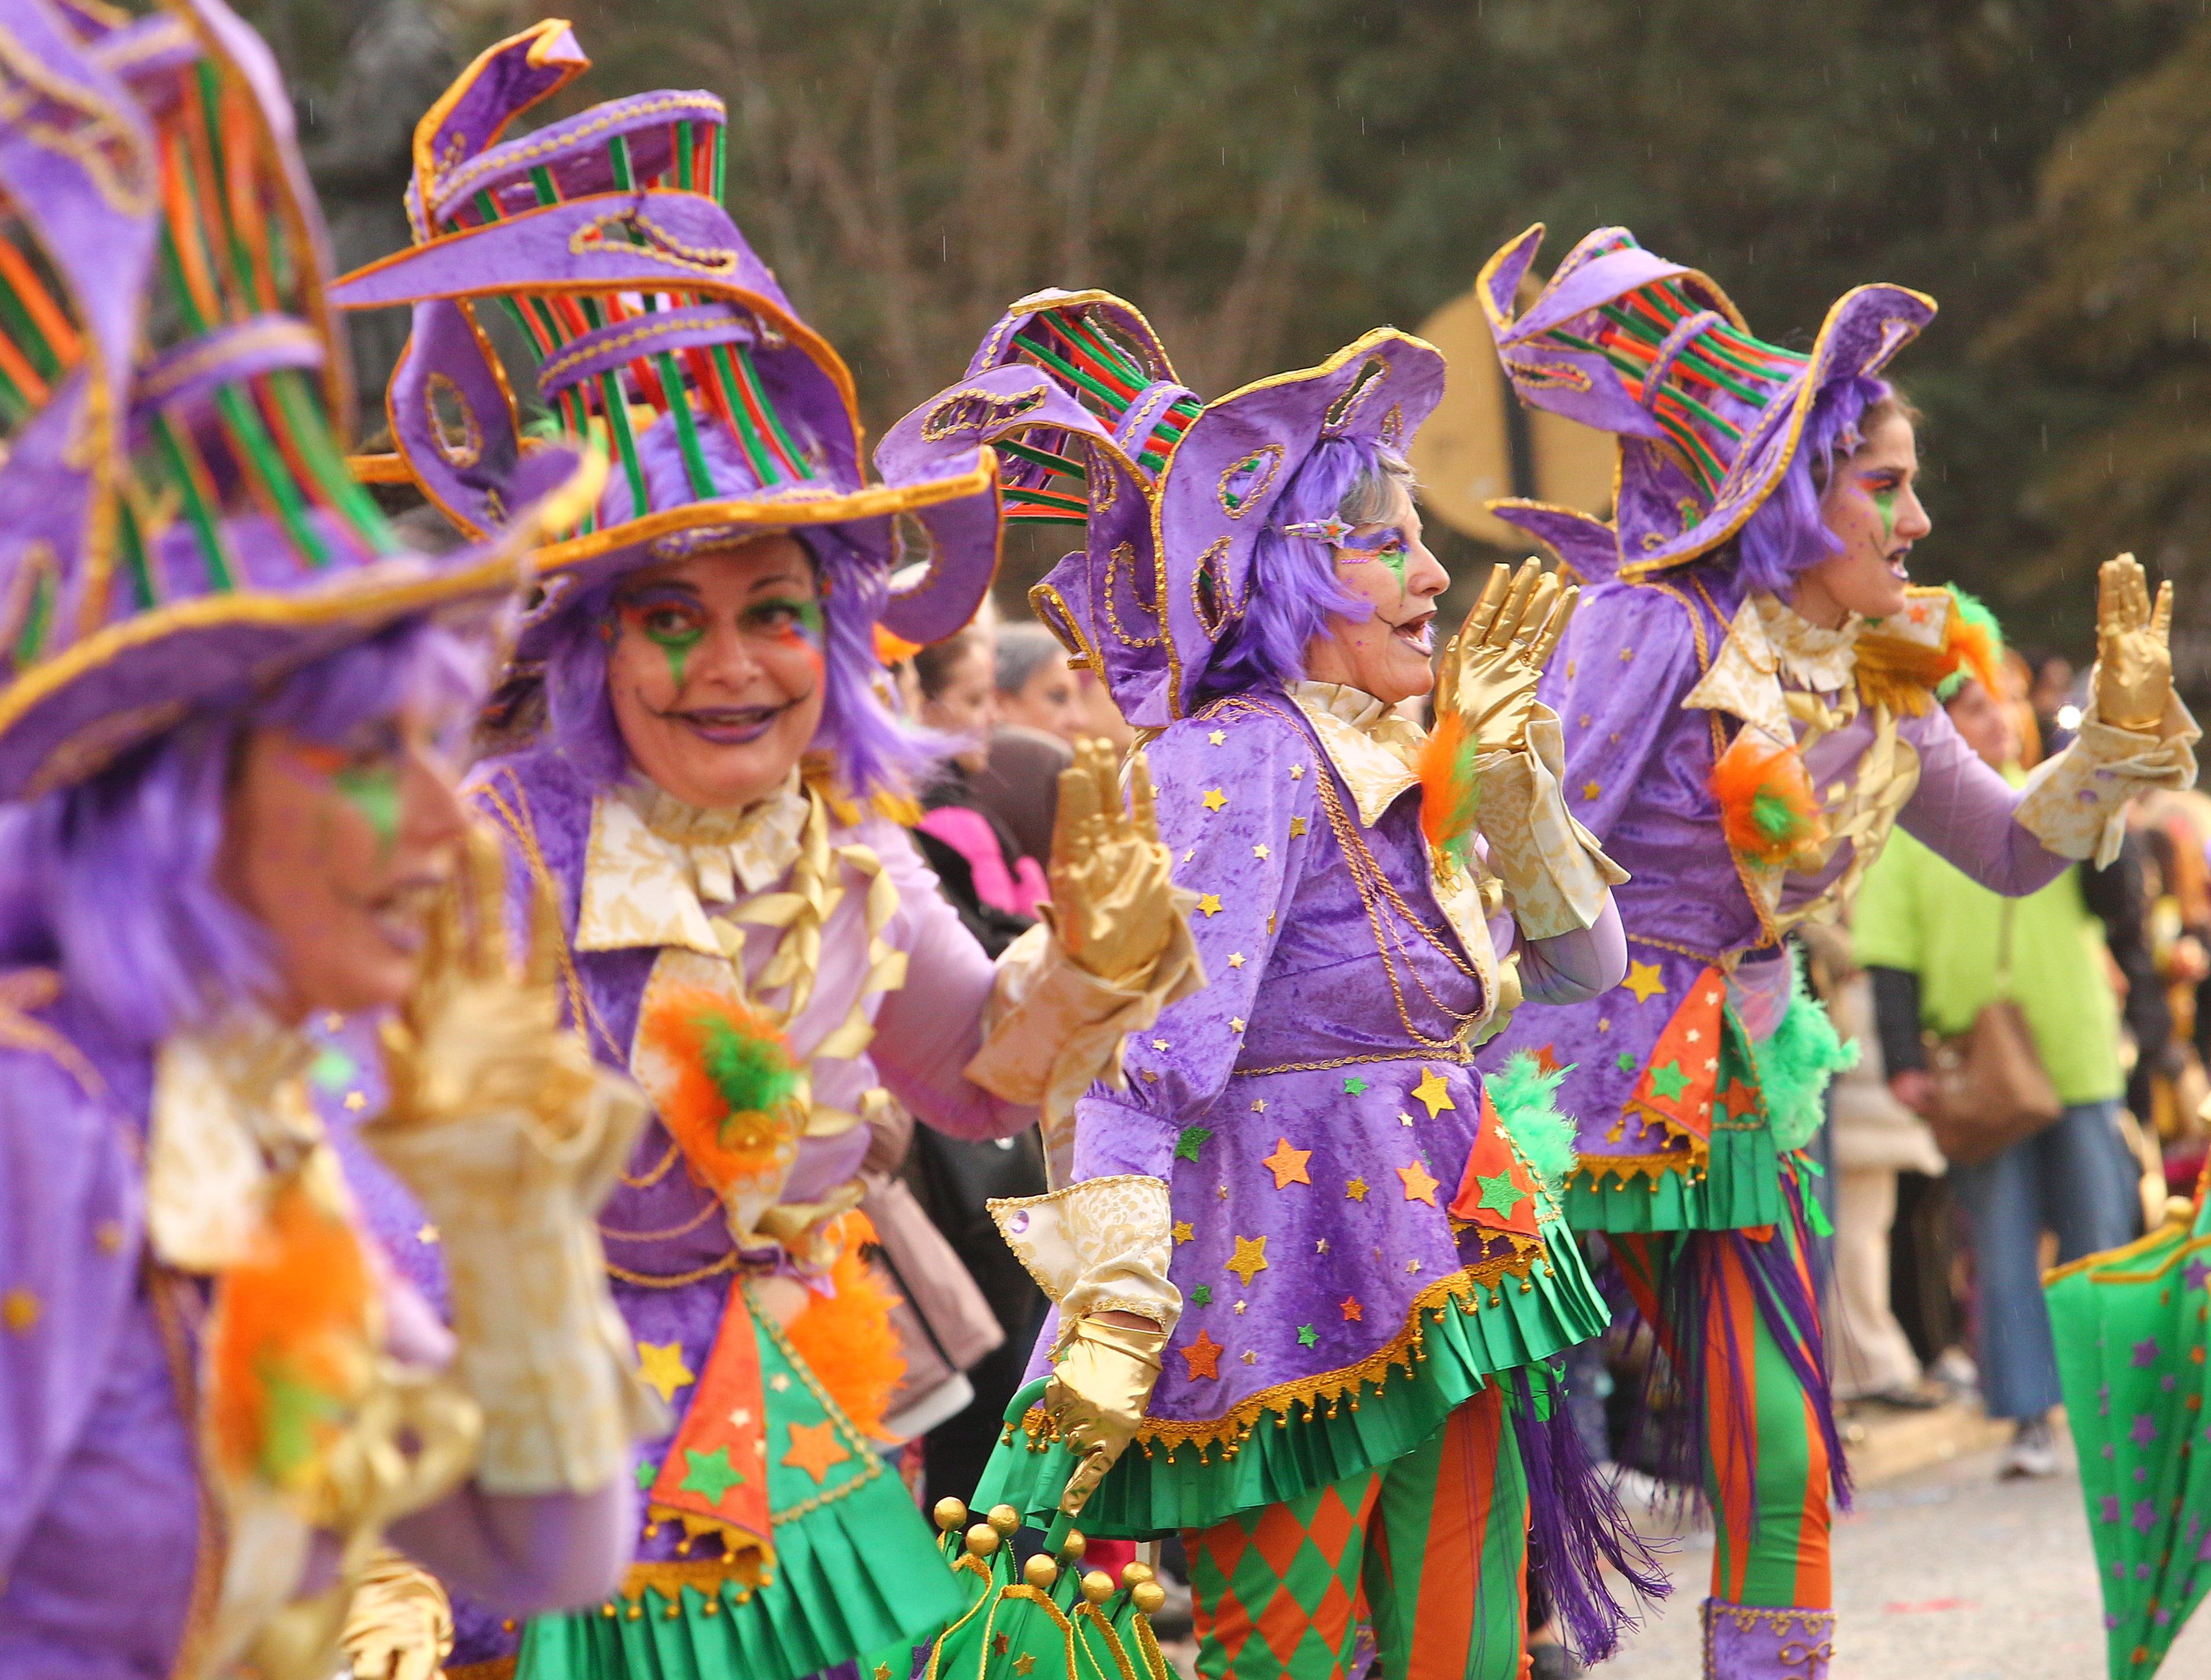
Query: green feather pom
point(1525, 1098)
point(1795, 1065)
point(754, 1074)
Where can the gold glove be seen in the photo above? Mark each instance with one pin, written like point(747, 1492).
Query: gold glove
point(1110, 906)
point(2133, 652)
point(400, 1624)
point(1492, 665)
point(1097, 1395)
point(474, 1036)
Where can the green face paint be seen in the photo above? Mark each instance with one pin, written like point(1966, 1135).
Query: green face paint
point(373, 790)
point(1884, 501)
point(783, 616)
point(675, 627)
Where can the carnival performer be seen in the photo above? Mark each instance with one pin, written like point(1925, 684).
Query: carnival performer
point(220, 739)
point(710, 798)
point(1747, 697)
point(1305, 1267)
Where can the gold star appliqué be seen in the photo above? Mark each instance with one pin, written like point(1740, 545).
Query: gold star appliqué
point(1215, 799)
point(1432, 1094)
point(1217, 736)
point(1249, 1261)
point(1355, 1189)
point(1235, 959)
point(1297, 827)
point(1183, 1231)
point(1210, 904)
point(1644, 981)
point(661, 1364)
point(1260, 852)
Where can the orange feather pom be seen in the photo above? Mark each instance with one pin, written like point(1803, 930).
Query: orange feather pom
point(1767, 807)
point(723, 1143)
point(1450, 796)
point(846, 1339)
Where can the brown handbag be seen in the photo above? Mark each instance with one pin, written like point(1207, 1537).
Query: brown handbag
point(1991, 1089)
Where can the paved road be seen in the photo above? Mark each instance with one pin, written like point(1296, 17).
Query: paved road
point(1945, 1575)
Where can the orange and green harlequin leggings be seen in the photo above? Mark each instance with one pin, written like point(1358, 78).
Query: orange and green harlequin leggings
point(1435, 1540)
point(1765, 1459)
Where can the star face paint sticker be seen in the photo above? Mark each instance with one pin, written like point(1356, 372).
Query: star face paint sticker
point(1288, 1165)
point(1249, 1261)
point(1644, 981)
point(1433, 1093)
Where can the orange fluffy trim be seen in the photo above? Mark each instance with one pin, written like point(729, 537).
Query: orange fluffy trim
point(724, 1145)
point(290, 1351)
point(1450, 797)
point(1975, 648)
point(846, 1339)
point(1767, 808)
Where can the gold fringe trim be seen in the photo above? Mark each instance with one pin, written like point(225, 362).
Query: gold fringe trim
point(1594, 1169)
point(703, 1575)
point(736, 1543)
point(499, 1668)
point(1463, 1289)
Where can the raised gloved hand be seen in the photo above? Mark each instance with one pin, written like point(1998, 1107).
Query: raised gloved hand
point(400, 1624)
point(1097, 1395)
point(1110, 906)
point(2134, 651)
point(510, 1135)
point(1490, 669)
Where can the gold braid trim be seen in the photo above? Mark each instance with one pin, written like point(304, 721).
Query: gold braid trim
point(744, 1554)
point(1594, 1169)
point(1463, 1289)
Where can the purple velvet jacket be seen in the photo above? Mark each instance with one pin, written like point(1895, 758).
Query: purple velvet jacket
point(1638, 765)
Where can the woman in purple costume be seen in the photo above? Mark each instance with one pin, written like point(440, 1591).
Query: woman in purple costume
point(709, 785)
point(228, 682)
point(1748, 700)
point(1306, 1268)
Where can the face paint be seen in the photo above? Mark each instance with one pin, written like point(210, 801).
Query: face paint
point(1884, 502)
point(369, 785)
point(672, 623)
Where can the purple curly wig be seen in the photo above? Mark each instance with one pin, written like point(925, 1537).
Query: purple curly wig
point(113, 881)
point(1294, 588)
point(1786, 535)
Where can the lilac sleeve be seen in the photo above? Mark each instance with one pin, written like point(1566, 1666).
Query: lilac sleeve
point(930, 1028)
point(1963, 809)
point(1576, 966)
point(523, 1555)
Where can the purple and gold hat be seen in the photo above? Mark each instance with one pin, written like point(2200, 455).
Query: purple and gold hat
point(1708, 416)
point(657, 334)
point(178, 525)
point(1174, 491)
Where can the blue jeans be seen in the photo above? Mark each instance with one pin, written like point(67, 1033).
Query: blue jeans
point(2075, 1179)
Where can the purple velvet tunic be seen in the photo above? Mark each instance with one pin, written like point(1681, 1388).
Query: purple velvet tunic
point(1639, 764)
point(1312, 1144)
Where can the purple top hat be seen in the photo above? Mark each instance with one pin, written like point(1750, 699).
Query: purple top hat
point(1174, 491)
point(658, 335)
point(178, 524)
point(1708, 416)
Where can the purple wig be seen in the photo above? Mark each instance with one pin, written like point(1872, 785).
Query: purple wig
point(1785, 535)
point(1294, 586)
point(873, 750)
point(113, 881)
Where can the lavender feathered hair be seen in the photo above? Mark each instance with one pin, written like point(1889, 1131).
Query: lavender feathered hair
point(113, 881)
point(1785, 535)
point(1293, 583)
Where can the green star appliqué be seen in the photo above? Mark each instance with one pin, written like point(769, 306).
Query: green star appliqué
point(1200, 1294)
point(646, 1471)
point(1354, 1086)
point(1669, 1081)
point(333, 1069)
point(1191, 1140)
point(1308, 1335)
point(1500, 1194)
point(1627, 1063)
point(711, 1474)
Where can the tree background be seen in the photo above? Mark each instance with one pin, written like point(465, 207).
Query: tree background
point(1269, 180)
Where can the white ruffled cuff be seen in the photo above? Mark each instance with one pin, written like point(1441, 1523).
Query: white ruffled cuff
point(1101, 1245)
point(541, 1348)
point(1554, 872)
point(1052, 1027)
point(2076, 802)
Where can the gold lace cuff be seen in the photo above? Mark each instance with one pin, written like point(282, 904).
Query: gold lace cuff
point(1555, 874)
point(1052, 1028)
point(1101, 1245)
point(2076, 803)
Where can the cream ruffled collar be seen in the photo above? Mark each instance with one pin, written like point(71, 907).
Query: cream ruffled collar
point(1373, 749)
point(653, 863)
point(1811, 656)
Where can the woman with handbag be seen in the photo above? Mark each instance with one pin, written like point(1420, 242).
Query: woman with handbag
point(2016, 995)
point(1746, 702)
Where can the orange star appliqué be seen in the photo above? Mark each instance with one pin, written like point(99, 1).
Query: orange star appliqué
point(1288, 1165)
point(1419, 1184)
point(814, 1447)
point(1352, 1311)
point(1204, 1357)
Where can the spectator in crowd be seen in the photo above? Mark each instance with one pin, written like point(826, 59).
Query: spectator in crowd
point(993, 884)
point(1036, 690)
point(1873, 1138)
point(1930, 938)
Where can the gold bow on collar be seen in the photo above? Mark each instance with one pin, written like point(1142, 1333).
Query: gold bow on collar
point(653, 863)
point(1373, 749)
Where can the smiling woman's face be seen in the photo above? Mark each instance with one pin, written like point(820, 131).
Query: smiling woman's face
point(1387, 655)
point(715, 671)
point(337, 851)
point(1872, 506)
